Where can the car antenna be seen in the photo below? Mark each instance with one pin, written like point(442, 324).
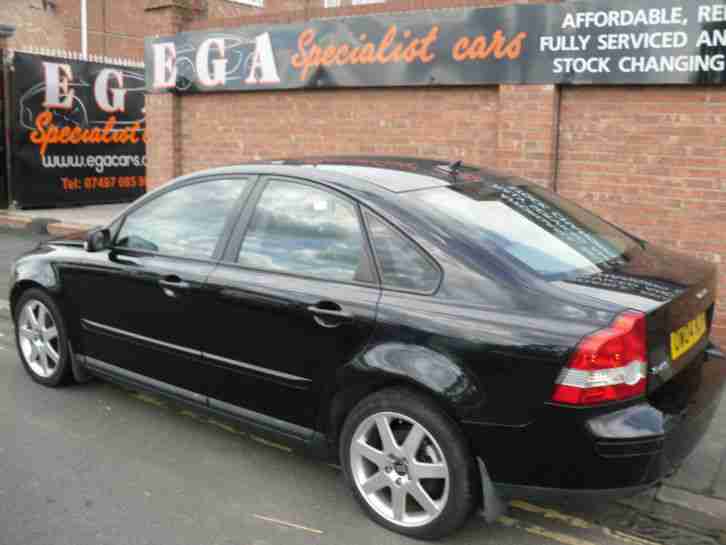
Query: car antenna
point(454, 167)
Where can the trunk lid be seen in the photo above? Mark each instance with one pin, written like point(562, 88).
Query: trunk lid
point(673, 290)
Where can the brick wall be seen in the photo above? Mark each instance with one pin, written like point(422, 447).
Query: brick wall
point(34, 25)
point(653, 160)
point(235, 127)
point(115, 28)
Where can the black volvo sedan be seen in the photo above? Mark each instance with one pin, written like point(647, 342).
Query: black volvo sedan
point(452, 336)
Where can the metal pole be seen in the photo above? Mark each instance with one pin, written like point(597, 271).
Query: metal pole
point(9, 103)
point(84, 28)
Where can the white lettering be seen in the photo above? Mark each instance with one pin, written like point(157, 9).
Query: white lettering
point(716, 38)
point(164, 65)
point(219, 65)
point(579, 65)
point(57, 79)
point(680, 63)
point(712, 14)
point(101, 89)
point(624, 17)
point(263, 60)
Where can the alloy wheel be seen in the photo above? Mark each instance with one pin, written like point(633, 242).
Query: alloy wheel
point(38, 338)
point(399, 469)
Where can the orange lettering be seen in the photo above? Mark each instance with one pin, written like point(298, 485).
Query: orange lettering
point(45, 133)
point(481, 47)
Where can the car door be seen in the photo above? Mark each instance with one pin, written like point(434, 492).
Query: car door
point(140, 302)
point(294, 298)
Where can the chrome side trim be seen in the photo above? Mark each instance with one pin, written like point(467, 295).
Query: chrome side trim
point(138, 337)
point(101, 366)
point(235, 363)
point(279, 374)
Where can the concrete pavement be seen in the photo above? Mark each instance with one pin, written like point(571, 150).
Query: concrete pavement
point(60, 221)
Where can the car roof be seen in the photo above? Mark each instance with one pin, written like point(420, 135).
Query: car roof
point(394, 174)
point(367, 174)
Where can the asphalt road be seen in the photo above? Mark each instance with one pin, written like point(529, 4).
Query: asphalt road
point(97, 464)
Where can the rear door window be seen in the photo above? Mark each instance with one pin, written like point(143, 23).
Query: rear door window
point(307, 231)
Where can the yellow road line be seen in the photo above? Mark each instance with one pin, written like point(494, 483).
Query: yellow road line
point(149, 399)
point(577, 522)
point(272, 444)
point(550, 513)
point(627, 538)
point(533, 529)
point(223, 426)
point(290, 524)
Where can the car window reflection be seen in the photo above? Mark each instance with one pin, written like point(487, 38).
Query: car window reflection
point(302, 230)
point(401, 262)
point(186, 222)
point(549, 235)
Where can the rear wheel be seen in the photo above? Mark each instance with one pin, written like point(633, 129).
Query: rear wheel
point(407, 464)
point(41, 338)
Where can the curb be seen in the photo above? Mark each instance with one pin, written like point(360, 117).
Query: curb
point(707, 505)
point(61, 229)
point(15, 222)
point(41, 225)
point(679, 508)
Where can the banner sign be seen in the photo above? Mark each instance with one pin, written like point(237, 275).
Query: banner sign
point(79, 132)
point(594, 42)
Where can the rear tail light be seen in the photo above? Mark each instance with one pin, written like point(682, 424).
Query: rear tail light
point(609, 365)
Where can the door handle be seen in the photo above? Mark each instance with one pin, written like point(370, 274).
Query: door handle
point(170, 284)
point(328, 314)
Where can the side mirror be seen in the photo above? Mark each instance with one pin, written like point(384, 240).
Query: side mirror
point(97, 240)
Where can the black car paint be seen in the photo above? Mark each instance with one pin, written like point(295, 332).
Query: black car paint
point(487, 345)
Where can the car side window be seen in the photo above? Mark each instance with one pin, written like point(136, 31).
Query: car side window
point(303, 230)
point(185, 222)
point(402, 264)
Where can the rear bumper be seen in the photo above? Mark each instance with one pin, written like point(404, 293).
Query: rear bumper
point(610, 452)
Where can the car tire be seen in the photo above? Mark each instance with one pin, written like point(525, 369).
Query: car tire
point(425, 452)
point(42, 339)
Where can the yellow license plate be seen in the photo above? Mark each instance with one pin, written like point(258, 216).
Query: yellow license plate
point(684, 338)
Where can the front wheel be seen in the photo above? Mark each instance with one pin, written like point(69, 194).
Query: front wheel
point(41, 338)
point(407, 464)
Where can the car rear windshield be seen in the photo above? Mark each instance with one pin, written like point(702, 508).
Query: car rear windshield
point(552, 237)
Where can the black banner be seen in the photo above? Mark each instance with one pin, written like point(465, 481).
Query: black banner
point(79, 132)
point(594, 42)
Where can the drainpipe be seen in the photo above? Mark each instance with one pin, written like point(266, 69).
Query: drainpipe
point(556, 140)
point(84, 28)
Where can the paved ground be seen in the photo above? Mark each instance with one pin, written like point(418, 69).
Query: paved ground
point(92, 215)
point(97, 464)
